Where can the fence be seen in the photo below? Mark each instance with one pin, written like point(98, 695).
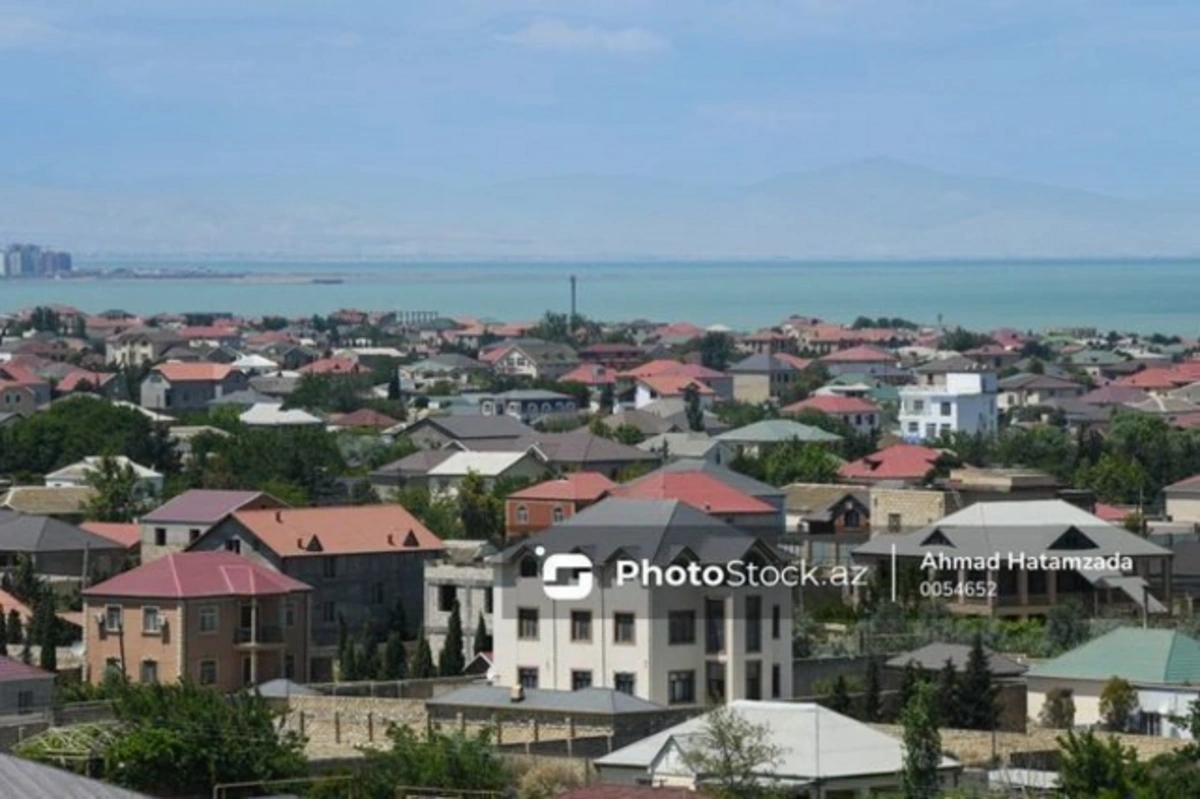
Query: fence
point(16, 728)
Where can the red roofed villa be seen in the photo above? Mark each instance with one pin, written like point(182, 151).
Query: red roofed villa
point(859, 413)
point(863, 360)
point(539, 506)
point(902, 463)
point(705, 493)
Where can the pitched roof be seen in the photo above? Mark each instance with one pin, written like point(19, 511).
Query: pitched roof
point(1187, 487)
point(648, 423)
point(1035, 382)
point(737, 480)
point(65, 501)
point(898, 462)
point(29, 780)
point(15, 670)
point(681, 445)
point(462, 428)
point(816, 501)
point(419, 462)
point(590, 374)
point(700, 490)
point(674, 385)
point(1148, 656)
point(1157, 377)
point(861, 354)
point(20, 532)
point(573, 487)
point(771, 431)
point(832, 404)
point(332, 366)
point(486, 464)
point(178, 372)
point(80, 470)
point(579, 447)
point(363, 417)
point(594, 700)
point(126, 534)
point(339, 530)
point(954, 364)
point(933, 657)
point(272, 414)
point(763, 363)
point(201, 505)
point(663, 366)
point(187, 575)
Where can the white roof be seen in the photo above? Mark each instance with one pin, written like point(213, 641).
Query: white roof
point(79, 471)
point(1031, 513)
point(271, 413)
point(254, 361)
point(814, 743)
point(149, 414)
point(486, 464)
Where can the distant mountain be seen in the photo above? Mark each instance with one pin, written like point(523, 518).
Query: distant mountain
point(877, 208)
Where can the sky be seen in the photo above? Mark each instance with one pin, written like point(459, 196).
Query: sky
point(279, 99)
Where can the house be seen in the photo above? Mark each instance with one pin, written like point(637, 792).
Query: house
point(675, 645)
point(669, 446)
point(1114, 395)
point(446, 477)
point(1026, 557)
point(214, 618)
point(821, 754)
point(527, 404)
point(362, 419)
point(751, 439)
point(614, 356)
point(720, 383)
point(361, 561)
point(824, 523)
point(766, 342)
point(66, 504)
point(953, 395)
point(1163, 665)
point(578, 450)
point(17, 399)
point(179, 522)
point(58, 550)
point(596, 377)
point(1024, 390)
point(762, 377)
point(272, 414)
point(675, 411)
point(278, 386)
point(994, 356)
point(149, 482)
point(535, 359)
point(645, 422)
point(768, 493)
point(860, 414)
point(1182, 500)
point(127, 534)
point(540, 506)
point(140, 345)
point(435, 432)
point(179, 387)
point(898, 464)
point(461, 578)
point(387, 479)
point(868, 360)
point(451, 366)
point(709, 494)
point(1007, 677)
point(24, 689)
point(656, 387)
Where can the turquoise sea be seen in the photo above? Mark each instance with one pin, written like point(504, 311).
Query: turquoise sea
point(1150, 295)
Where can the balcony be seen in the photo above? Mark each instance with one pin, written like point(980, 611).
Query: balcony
point(263, 636)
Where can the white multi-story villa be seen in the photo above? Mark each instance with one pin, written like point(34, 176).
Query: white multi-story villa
point(953, 395)
point(681, 645)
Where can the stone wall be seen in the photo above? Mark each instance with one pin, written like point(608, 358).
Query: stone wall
point(916, 508)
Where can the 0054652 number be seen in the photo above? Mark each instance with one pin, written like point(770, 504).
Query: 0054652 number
point(980, 589)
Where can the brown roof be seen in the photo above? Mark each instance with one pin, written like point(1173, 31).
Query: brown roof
point(202, 505)
point(45, 501)
point(188, 372)
point(363, 417)
point(127, 535)
point(345, 530)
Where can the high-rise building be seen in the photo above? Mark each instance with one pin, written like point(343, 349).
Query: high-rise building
point(30, 260)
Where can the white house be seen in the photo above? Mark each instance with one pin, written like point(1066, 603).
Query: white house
point(678, 645)
point(149, 482)
point(953, 395)
point(446, 477)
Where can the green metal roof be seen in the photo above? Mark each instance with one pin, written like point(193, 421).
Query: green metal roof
point(1137, 655)
point(771, 431)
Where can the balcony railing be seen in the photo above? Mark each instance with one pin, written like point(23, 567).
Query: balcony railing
point(263, 635)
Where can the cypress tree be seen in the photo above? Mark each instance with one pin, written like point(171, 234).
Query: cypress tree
point(3, 633)
point(451, 661)
point(949, 707)
point(871, 694)
point(368, 665)
point(909, 680)
point(14, 627)
point(399, 620)
point(979, 694)
point(47, 639)
point(839, 698)
point(922, 745)
point(422, 666)
point(483, 639)
point(394, 665)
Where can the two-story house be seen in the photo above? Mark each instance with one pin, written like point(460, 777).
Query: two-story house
point(673, 644)
point(861, 414)
point(140, 345)
point(214, 618)
point(952, 395)
point(680, 374)
point(461, 578)
point(527, 404)
point(176, 387)
point(435, 432)
point(545, 504)
point(865, 360)
point(181, 520)
point(362, 561)
point(1023, 390)
point(535, 359)
point(762, 377)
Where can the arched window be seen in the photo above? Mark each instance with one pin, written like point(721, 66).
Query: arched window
point(522, 514)
point(529, 566)
point(558, 514)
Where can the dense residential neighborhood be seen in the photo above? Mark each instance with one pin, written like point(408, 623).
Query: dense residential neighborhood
point(846, 557)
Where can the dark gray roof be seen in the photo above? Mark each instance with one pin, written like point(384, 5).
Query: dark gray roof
point(933, 657)
point(764, 364)
point(417, 463)
point(275, 385)
point(955, 363)
point(532, 395)
point(454, 360)
point(578, 447)
point(22, 533)
point(656, 530)
point(463, 428)
point(737, 480)
point(1056, 539)
point(25, 779)
point(247, 397)
point(1033, 382)
point(600, 701)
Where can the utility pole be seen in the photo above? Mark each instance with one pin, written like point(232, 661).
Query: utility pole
point(572, 320)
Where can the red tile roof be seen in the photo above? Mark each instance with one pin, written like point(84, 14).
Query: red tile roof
point(574, 487)
point(16, 670)
point(201, 505)
point(1112, 513)
point(209, 331)
point(899, 462)
point(8, 603)
point(832, 404)
point(346, 530)
point(679, 329)
point(1156, 377)
point(127, 535)
point(794, 360)
point(187, 575)
point(863, 354)
point(698, 489)
point(364, 417)
point(668, 367)
point(674, 385)
point(590, 374)
point(177, 371)
point(72, 381)
point(332, 366)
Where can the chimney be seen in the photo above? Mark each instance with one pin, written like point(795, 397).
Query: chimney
point(279, 517)
point(391, 540)
point(299, 543)
point(516, 693)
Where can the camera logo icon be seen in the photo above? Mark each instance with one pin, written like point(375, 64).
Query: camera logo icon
point(566, 575)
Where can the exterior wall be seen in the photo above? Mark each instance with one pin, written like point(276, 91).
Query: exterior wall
point(71, 564)
point(1183, 509)
point(1021, 398)
point(907, 509)
point(881, 369)
point(1085, 693)
point(158, 393)
point(17, 399)
point(25, 695)
point(132, 646)
point(472, 590)
point(539, 514)
point(962, 405)
point(865, 423)
point(643, 396)
point(752, 388)
point(528, 467)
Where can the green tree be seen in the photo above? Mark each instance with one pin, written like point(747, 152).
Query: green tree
point(1089, 768)
point(369, 662)
point(962, 340)
point(45, 630)
point(1058, 712)
point(26, 584)
point(949, 697)
point(910, 678)
point(872, 693)
point(398, 620)
point(733, 753)
point(116, 496)
point(607, 398)
point(482, 514)
point(796, 462)
point(979, 694)
point(3, 633)
point(394, 664)
point(393, 387)
point(422, 667)
point(717, 349)
point(839, 699)
point(450, 763)
point(483, 639)
point(628, 434)
point(1066, 627)
point(922, 745)
point(692, 408)
point(12, 626)
point(451, 661)
point(1118, 703)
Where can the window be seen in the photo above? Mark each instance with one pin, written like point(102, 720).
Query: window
point(894, 522)
point(488, 600)
point(529, 566)
point(527, 677)
point(931, 431)
point(160, 536)
point(851, 519)
point(112, 619)
point(527, 623)
point(447, 598)
point(377, 594)
point(522, 514)
point(328, 612)
point(681, 687)
point(581, 679)
point(776, 621)
point(625, 682)
point(754, 679)
point(681, 627)
point(623, 628)
point(714, 626)
point(776, 681)
point(24, 701)
point(113, 666)
point(193, 534)
point(209, 619)
point(557, 514)
point(329, 566)
point(289, 667)
point(918, 406)
point(581, 625)
point(289, 613)
point(753, 624)
point(208, 672)
point(234, 545)
point(149, 671)
point(714, 680)
point(914, 428)
point(945, 409)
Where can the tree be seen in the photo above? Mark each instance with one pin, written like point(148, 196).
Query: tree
point(692, 409)
point(628, 434)
point(839, 699)
point(949, 698)
point(962, 340)
point(116, 495)
point(13, 628)
point(3, 634)
point(732, 753)
point(394, 664)
point(481, 512)
point(910, 678)
point(922, 745)
point(796, 462)
point(369, 663)
point(451, 662)
point(45, 630)
point(393, 387)
point(717, 349)
point(1089, 768)
point(483, 639)
point(1066, 627)
point(422, 667)
point(452, 763)
point(607, 398)
point(1058, 712)
point(872, 704)
point(398, 620)
point(1118, 703)
point(26, 585)
point(978, 693)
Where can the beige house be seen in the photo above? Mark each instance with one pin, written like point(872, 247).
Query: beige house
point(1183, 500)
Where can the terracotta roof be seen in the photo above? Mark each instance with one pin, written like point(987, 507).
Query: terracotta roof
point(201, 505)
point(679, 329)
point(590, 374)
point(698, 489)
point(899, 462)
point(127, 535)
point(186, 575)
point(177, 371)
point(363, 417)
point(664, 367)
point(794, 360)
point(71, 382)
point(674, 385)
point(863, 354)
point(574, 487)
point(832, 404)
point(332, 366)
point(16, 670)
point(1113, 394)
point(8, 603)
point(299, 532)
point(209, 331)
point(1112, 513)
point(1158, 377)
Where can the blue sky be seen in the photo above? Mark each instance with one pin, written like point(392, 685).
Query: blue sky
point(1097, 94)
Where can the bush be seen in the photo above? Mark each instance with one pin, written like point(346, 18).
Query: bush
point(547, 779)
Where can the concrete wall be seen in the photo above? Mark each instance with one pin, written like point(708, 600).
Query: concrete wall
point(1183, 509)
point(915, 508)
point(1085, 693)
